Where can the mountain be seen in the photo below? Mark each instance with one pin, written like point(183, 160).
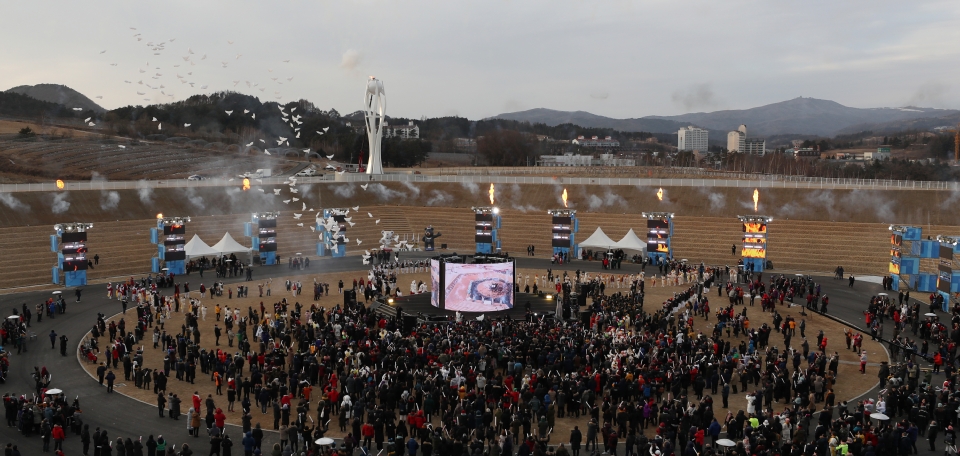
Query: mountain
point(60, 94)
point(585, 119)
point(802, 116)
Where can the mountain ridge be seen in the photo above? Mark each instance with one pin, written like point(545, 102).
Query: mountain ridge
point(59, 94)
point(801, 116)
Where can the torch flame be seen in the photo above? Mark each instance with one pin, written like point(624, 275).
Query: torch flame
point(660, 194)
point(491, 193)
point(564, 196)
point(756, 199)
point(159, 215)
point(246, 184)
point(60, 184)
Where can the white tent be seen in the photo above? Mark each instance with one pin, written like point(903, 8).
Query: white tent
point(598, 240)
point(197, 248)
point(227, 246)
point(633, 243)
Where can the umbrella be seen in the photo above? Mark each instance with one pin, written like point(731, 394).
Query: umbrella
point(726, 442)
point(13, 317)
point(324, 441)
point(54, 391)
point(57, 292)
point(929, 314)
point(879, 416)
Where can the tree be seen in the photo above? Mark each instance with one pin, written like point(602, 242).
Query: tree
point(26, 132)
point(505, 148)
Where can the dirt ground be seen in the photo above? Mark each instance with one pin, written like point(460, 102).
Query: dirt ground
point(850, 383)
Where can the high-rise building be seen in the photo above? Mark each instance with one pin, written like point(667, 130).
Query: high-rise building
point(737, 141)
point(692, 138)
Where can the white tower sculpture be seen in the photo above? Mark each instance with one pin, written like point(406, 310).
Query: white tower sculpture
point(374, 105)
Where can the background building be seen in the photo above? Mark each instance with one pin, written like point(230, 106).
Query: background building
point(595, 141)
point(692, 138)
point(409, 131)
point(737, 141)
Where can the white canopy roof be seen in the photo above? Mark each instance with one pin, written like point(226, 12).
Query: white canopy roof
point(598, 240)
point(630, 241)
point(228, 245)
point(197, 248)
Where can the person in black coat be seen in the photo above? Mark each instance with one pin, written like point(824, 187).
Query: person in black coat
point(575, 438)
point(932, 434)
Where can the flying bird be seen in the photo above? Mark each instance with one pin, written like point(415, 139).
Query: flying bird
point(160, 126)
point(329, 157)
point(103, 51)
point(326, 128)
point(91, 124)
point(250, 144)
point(364, 186)
point(276, 191)
point(369, 215)
point(304, 207)
point(229, 112)
point(296, 199)
point(186, 125)
point(378, 221)
point(286, 201)
point(359, 242)
point(297, 216)
point(266, 152)
point(357, 208)
point(87, 119)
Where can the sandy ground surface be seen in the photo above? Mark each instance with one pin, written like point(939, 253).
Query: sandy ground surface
point(850, 383)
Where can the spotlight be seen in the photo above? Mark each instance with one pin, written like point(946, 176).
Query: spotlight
point(549, 297)
point(390, 301)
point(496, 210)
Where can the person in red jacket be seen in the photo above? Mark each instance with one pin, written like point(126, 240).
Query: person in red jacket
point(58, 436)
point(367, 432)
point(219, 418)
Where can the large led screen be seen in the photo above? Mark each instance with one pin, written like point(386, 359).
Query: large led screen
point(478, 287)
point(435, 283)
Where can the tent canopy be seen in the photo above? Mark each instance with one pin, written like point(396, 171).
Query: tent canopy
point(227, 245)
point(631, 242)
point(197, 248)
point(598, 240)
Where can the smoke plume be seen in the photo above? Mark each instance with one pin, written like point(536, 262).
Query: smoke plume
point(13, 202)
point(109, 200)
point(344, 191)
point(383, 193)
point(350, 59)
point(439, 198)
point(414, 190)
point(471, 187)
point(60, 203)
point(145, 192)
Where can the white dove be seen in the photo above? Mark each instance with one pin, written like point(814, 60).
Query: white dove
point(87, 119)
point(352, 223)
point(186, 125)
point(293, 190)
point(282, 139)
point(357, 208)
point(369, 215)
point(296, 199)
point(276, 191)
point(364, 186)
point(359, 242)
point(266, 152)
point(304, 207)
point(286, 201)
point(298, 134)
point(159, 126)
point(249, 144)
point(229, 113)
point(378, 221)
point(326, 128)
point(297, 216)
point(254, 116)
point(329, 157)
point(300, 224)
point(245, 111)
point(91, 124)
point(279, 142)
point(263, 141)
point(122, 147)
point(312, 228)
point(154, 119)
point(261, 190)
point(306, 151)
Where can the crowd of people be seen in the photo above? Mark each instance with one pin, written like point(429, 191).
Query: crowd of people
point(638, 378)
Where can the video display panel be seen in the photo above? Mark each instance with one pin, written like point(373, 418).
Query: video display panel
point(435, 283)
point(894, 266)
point(174, 229)
point(896, 239)
point(754, 240)
point(945, 268)
point(67, 238)
point(657, 233)
point(561, 231)
point(478, 287)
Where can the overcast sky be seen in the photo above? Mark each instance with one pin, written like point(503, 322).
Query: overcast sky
point(481, 58)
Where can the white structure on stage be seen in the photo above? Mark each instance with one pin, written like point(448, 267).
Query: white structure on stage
point(374, 106)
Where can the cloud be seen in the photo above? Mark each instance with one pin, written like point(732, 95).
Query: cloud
point(351, 59)
point(109, 200)
point(60, 203)
point(145, 192)
point(695, 97)
point(439, 198)
point(13, 202)
point(930, 93)
point(344, 191)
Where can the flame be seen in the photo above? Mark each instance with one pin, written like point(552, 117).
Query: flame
point(491, 193)
point(159, 215)
point(660, 194)
point(246, 184)
point(60, 184)
point(564, 196)
point(756, 199)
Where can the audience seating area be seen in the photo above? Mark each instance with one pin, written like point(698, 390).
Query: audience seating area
point(795, 245)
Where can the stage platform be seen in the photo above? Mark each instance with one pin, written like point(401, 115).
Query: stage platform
point(419, 305)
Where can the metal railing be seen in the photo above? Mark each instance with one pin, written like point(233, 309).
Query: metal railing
point(504, 177)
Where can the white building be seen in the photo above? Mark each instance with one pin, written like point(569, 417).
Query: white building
point(584, 160)
point(737, 141)
point(882, 153)
point(692, 138)
point(596, 142)
point(409, 131)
